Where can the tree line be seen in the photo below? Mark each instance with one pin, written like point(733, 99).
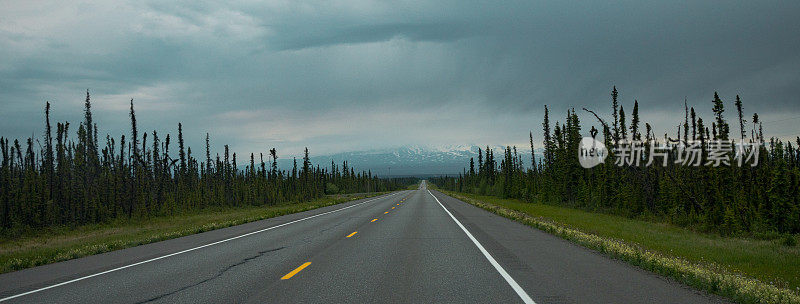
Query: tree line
point(727, 199)
point(60, 180)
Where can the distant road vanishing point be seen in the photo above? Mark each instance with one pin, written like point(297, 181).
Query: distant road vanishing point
point(413, 246)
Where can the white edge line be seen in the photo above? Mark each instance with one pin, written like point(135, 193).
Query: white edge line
point(188, 250)
point(520, 292)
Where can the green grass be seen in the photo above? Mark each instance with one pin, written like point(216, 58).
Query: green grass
point(705, 261)
point(60, 244)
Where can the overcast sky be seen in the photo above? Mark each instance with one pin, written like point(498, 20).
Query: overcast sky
point(352, 75)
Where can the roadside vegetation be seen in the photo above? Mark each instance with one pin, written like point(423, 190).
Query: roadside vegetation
point(742, 269)
point(728, 218)
point(54, 244)
point(67, 179)
point(728, 199)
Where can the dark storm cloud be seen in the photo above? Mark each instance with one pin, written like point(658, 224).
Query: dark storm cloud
point(449, 72)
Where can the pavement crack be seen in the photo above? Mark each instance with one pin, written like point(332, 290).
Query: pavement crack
point(215, 276)
point(310, 238)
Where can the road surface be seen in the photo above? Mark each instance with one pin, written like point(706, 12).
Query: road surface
point(414, 246)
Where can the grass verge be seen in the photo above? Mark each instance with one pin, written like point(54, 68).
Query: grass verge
point(743, 270)
point(61, 244)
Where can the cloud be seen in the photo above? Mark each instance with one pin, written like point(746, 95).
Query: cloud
point(437, 32)
point(358, 74)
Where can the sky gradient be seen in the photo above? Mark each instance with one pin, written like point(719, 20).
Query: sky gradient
point(352, 75)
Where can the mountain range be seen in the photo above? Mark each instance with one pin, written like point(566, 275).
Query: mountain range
point(406, 160)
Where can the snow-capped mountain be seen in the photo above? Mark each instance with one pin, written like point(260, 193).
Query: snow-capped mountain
point(409, 160)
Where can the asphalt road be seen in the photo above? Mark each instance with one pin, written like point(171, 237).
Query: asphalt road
point(415, 246)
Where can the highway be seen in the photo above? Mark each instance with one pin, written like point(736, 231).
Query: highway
point(413, 246)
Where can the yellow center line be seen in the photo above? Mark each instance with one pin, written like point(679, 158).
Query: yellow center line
point(398, 204)
point(392, 207)
point(294, 272)
point(352, 234)
point(386, 212)
point(373, 220)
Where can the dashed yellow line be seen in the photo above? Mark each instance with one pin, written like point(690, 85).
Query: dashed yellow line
point(386, 212)
point(373, 220)
point(392, 207)
point(295, 271)
point(352, 234)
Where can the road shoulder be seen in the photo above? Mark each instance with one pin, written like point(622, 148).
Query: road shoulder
point(47, 275)
point(552, 269)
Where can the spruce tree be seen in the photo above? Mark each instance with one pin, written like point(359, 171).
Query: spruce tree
point(694, 124)
point(548, 140)
point(88, 123)
point(274, 169)
point(615, 106)
point(181, 151)
point(685, 121)
point(635, 122)
point(471, 166)
point(722, 126)
point(480, 162)
point(738, 104)
point(533, 153)
point(208, 155)
point(623, 129)
point(134, 134)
